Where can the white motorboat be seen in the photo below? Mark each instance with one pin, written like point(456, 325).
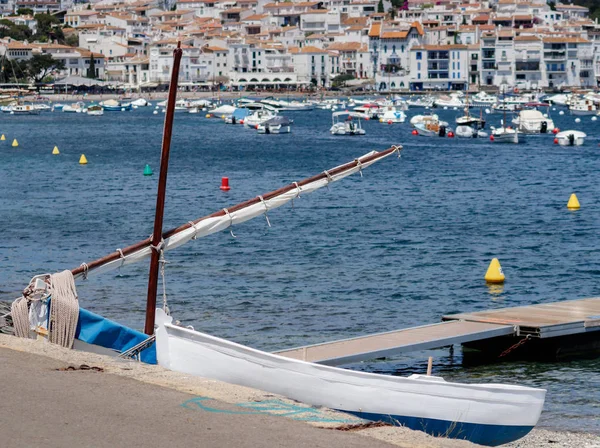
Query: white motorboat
point(432, 128)
point(482, 99)
point(416, 119)
point(140, 102)
point(504, 135)
point(420, 101)
point(275, 125)
point(559, 99)
point(579, 106)
point(350, 125)
point(372, 110)
point(570, 138)
point(24, 109)
point(466, 131)
point(453, 100)
point(75, 108)
point(95, 110)
point(533, 122)
point(490, 414)
point(502, 107)
point(392, 115)
point(225, 109)
point(258, 117)
point(42, 107)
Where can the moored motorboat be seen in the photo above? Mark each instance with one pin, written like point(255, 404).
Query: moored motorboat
point(75, 108)
point(351, 125)
point(465, 131)
point(532, 121)
point(392, 115)
point(237, 117)
point(570, 138)
point(116, 106)
point(490, 414)
point(259, 116)
point(276, 125)
point(432, 128)
point(95, 110)
point(24, 109)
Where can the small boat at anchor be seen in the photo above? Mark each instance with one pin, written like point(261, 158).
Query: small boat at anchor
point(350, 125)
point(276, 125)
point(95, 110)
point(570, 138)
point(504, 135)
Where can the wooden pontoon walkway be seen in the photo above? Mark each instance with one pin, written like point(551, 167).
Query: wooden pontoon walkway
point(541, 321)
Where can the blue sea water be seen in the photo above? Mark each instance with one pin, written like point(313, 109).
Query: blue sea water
point(400, 247)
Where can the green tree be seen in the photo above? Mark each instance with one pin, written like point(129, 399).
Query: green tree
point(25, 11)
point(40, 65)
point(13, 70)
point(380, 7)
point(393, 12)
point(48, 28)
point(340, 80)
point(91, 73)
point(17, 32)
point(72, 40)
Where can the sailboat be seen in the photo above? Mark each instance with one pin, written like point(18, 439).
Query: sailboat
point(504, 134)
point(469, 126)
point(490, 414)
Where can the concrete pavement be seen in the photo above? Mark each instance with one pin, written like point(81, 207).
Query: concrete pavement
point(45, 407)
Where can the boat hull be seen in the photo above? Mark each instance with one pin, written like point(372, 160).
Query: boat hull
point(493, 414)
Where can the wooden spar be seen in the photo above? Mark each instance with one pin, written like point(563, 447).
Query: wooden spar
point(160, 197)
point(144, 243)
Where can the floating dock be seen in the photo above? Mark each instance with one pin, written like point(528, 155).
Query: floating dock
point(561, 328)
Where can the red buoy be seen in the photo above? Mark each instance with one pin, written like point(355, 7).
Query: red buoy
point(556, 141)
point(241, 121)
point(450, 134)
point(389, 121)
point(225, 184)
point(415, 132)
point(256, 127)
point(491, 138)
point(555, 131)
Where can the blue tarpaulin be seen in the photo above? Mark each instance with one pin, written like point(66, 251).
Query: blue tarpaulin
point(95, 329)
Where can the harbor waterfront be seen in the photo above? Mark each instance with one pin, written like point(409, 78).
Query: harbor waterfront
point(401, 247)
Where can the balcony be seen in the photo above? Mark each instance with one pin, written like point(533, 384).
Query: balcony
point(555, 56)
point(527, 66)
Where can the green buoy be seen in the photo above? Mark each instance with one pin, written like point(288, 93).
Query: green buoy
point(148, 170)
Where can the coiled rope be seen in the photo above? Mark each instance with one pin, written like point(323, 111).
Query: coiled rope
point(64, 309)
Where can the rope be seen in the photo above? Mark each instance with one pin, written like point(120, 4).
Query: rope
point(20, 317)
point(64, 309)
point(230, 222)
point(86, 269)
point(359, 165)
point(266, 210)
point(163, 262)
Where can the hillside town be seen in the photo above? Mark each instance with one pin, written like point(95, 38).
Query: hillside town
point(379, 45)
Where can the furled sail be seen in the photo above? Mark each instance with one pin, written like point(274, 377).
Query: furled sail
point(226, 218)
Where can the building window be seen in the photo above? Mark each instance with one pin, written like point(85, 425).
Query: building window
point(419, 55)
point(385, 48)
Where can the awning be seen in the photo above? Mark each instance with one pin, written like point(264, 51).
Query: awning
point(80, 81)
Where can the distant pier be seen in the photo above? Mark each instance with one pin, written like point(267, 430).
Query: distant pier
point(545, 331)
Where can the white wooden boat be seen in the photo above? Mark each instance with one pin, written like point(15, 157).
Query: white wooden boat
point(504, 135)
point(350, 125)
point(489, 414)
point(571, 138)
point(583, 107)
point(24, 109)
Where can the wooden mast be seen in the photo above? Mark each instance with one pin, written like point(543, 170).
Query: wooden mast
point(160, 197)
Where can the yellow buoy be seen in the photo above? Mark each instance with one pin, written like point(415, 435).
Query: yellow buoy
point(15, 143)
point(82, 160)
point(3, 137)
point(573, 203)
point(494, 273)
point(55, 151)
point(207, 115)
